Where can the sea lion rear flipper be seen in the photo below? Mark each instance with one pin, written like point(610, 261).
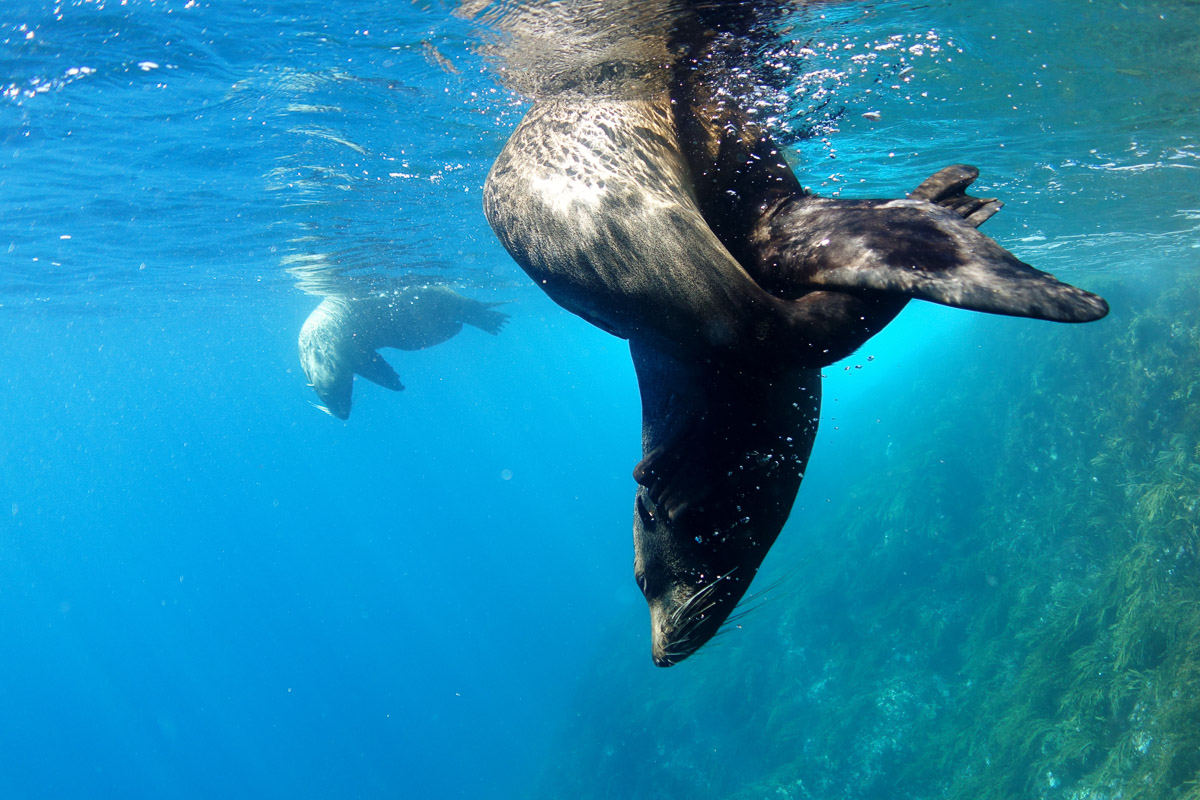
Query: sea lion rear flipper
point(947, 188)
point(925, 247)
point(481, 316)
point(378, 371)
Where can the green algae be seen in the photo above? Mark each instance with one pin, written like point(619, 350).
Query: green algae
point(1104, 699)
point(1004, 605)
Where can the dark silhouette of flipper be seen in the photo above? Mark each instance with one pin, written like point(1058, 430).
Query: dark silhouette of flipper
point(923, 247)
point(708, 430)
point(883, 252)
point(482, 316)
point(378, 371)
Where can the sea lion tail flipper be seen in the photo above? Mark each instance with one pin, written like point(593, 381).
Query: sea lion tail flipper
point(921, 249)
point(378, 371)
point(483, 317)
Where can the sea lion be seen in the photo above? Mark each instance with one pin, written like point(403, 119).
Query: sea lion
point(341, 336)
point(639, 194)
point(725, 450)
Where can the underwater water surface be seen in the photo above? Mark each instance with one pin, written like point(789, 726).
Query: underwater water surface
point(987, 588)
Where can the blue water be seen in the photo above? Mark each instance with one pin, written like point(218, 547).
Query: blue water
point(208, 588)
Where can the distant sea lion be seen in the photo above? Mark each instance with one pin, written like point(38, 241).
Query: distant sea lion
point(639, 194)
point(341, 336)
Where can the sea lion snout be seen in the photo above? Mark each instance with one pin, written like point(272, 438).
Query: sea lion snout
point(663, 650)
point(671, 637)
point(669, 642)
point(691, 582)
point(686, 615)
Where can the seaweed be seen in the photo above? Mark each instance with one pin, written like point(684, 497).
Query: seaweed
point(1002, 601)
point(1105, 699)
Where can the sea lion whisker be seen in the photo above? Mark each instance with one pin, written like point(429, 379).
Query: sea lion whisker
point(719, 634)
point(683, 613)
point(678, 647)
point(696, 617)
point(717, 641)
point(741, 613)
point(685, 609)
point(782, 579)
point(687, 632)
point(751, 604)
point(760, 598)
point(682, 647)
point(703, 590)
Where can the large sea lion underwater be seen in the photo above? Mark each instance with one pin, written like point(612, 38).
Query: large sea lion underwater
point(342, 335)
point(638, 194)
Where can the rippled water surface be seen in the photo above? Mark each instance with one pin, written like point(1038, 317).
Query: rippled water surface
point(209, 588)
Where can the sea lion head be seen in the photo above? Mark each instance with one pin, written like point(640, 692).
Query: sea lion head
point(724, 451)
point(694, 569)
point(327, 361)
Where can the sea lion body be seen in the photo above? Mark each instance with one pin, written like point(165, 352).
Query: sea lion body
point(603, 219)
point(654, 207)
point(725, 454)
point(342, 334)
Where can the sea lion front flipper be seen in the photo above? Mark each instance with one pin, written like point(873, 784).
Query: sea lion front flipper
point(677, 475)
point(710, 432)
point(913, 248)
point(378, 371)
point(679, 439)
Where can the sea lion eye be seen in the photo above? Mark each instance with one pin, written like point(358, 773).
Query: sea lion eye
point(640, 577)
point(645, 511)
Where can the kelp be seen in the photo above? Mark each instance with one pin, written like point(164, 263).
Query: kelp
point(1105, 697)
point(1002, 602)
